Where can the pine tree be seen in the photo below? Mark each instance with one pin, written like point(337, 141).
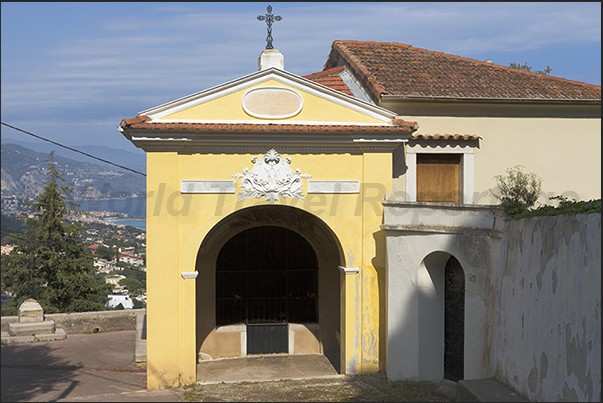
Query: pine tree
point(49, 263)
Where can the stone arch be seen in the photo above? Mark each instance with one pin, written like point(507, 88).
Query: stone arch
point(220, 342)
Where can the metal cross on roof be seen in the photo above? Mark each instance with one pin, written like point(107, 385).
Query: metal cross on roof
point(270, 18)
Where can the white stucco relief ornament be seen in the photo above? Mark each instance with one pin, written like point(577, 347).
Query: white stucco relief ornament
point(272, 177)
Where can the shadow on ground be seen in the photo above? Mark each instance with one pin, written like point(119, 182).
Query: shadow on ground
point(54, 374)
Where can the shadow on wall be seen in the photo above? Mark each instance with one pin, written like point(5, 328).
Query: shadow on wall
point(433, 321)
point(437, 331)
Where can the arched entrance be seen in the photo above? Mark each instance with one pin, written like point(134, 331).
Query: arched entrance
point(268, 273)
point(442, 317)
point(454, 320)
point(266, 278)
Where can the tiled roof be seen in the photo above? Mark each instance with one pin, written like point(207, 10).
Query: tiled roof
point(141, 122)
point(330, 78)
point(397, 69)
point(417, 136)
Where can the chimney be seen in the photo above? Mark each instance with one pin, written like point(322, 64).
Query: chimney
point(271, 58)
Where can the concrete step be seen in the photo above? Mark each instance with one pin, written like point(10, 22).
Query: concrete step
point(8, 340)
point(485, 390)
point(28, 329)
point(140, 352)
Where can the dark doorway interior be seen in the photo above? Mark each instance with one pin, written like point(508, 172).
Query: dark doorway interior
point(454, 320)
point(266, 275)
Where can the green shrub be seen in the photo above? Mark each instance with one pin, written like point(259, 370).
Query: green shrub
point(565, 207)
point(517, 191)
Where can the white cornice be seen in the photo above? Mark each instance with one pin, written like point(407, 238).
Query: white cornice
point(272, 121)
point(150, 145)
point(199, 140)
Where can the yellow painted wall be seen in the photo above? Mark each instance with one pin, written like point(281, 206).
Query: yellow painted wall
point(177, 224)
point(167, 294)
point(229, 108)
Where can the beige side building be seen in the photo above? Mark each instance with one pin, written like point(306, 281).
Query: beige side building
point(476, 119)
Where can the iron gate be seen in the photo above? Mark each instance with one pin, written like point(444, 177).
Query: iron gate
point(266, 277)
point(267, 338)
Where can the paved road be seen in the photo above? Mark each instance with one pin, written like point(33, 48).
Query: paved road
point(101, 367)
point(84, 367)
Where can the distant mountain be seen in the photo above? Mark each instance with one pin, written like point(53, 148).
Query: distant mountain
point(24, 174)
point(135, 160)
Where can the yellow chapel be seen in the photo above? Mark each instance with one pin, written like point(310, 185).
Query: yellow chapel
point(263, 223)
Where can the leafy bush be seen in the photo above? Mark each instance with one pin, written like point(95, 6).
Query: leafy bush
point(139, 304)
point(565, 207)
point(517, 191)
point(133, 285)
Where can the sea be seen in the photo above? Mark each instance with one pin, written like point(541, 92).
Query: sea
point(135, 207)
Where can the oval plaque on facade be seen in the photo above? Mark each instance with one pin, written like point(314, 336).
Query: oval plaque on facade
point(272, 103)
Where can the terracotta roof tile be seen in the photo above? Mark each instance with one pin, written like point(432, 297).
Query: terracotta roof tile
point(417, 136)
point(402, 126)
point(334, 70)
point(399, 69)
point(137, 119)
point(330, 78)
point(335, 83)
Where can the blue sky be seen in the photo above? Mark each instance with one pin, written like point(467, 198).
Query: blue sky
point(72, 71)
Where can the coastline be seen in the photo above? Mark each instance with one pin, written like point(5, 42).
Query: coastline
point(106, 199)
point(140, 223)
point(115, 209)
point(108, 220)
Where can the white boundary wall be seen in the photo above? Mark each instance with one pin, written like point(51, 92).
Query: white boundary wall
point(549, 328)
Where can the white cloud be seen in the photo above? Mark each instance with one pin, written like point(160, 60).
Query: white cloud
point(128, 62)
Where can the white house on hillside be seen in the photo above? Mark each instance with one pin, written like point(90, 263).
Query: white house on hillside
point(115, 300)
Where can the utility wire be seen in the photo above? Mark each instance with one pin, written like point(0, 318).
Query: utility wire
point(14, 235)
point(73, 149)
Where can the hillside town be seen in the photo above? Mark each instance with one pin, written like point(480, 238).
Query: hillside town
point(118, 251)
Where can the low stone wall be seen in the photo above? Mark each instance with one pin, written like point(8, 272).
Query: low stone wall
point(89, 322)
point(549, 330)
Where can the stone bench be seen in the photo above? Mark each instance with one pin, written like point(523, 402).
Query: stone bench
point(485, 390)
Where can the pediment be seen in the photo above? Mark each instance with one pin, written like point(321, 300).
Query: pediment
point(270, 96)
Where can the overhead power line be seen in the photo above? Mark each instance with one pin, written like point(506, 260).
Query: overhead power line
point(74, 150)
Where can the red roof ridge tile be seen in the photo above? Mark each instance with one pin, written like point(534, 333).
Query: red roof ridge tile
point(364, 73)
point(256, 127)
point(401, 122)
point(324, 73)
point(137, 119)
